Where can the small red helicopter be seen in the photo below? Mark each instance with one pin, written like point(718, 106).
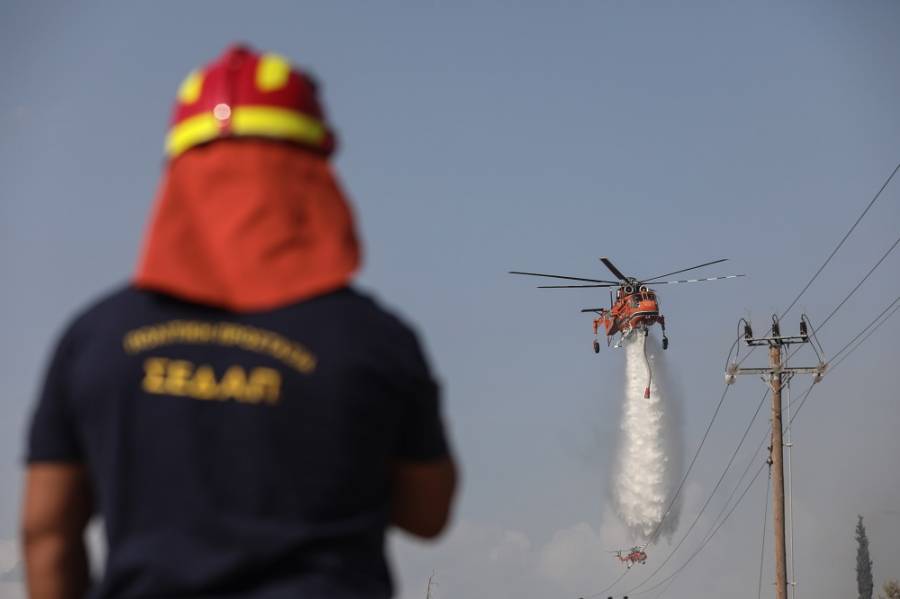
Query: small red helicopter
point(636, 306)
point(635, 555)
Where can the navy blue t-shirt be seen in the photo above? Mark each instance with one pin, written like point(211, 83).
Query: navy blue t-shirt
point(239, 454)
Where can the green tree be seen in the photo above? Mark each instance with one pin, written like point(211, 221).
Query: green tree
point(864, 583)
point(891, 590)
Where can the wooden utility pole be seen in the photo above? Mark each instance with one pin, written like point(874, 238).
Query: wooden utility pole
point(777, 473)
point(777, 375)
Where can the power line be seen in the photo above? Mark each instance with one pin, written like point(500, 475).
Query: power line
point(721, 400)
point(806, 394)
point(739, 483)
point(675, 496)
point(668, 580)
point(832, 368)
point(719, 517)
point(712, 533)
point(863, 280)
point(708, 499)
point(842, 302)
point(812, 385)
point(802, 402)
point(869, 334)
point(658, 527)
point(742, 477)
point(778, 374)
point(611, 585)
point(775, 440)
point(690, 467)
point(852, 291)
point(664, 589)
point(858, 335)
point(715, 488)
point(710, 536)
point(843, 239)
point(715, 413)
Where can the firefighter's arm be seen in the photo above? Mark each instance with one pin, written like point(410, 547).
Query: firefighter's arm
point(422, 496)
point(55, 512)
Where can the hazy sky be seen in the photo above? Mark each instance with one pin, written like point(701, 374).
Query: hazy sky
point(478, 138)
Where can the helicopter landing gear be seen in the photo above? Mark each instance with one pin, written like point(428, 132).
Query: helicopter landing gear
point(596, 346)
point(665, 340)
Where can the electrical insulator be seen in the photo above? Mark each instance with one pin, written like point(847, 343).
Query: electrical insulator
point(803, 332)
point(730, 372)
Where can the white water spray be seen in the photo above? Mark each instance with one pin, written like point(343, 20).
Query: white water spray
point(648, 465)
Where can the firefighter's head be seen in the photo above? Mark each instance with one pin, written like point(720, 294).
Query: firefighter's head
point(250, 214)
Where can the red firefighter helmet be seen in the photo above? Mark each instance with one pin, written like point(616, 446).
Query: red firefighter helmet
point(245, 94)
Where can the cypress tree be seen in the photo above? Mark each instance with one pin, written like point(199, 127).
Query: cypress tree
point(863, 564)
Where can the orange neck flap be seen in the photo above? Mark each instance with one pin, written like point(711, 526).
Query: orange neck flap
point(249, 225)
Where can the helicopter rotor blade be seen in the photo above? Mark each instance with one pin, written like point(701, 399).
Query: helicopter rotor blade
point(612, 268)
point(598, 310)
point(696, 280)
point(538, 274)
point(668, 274)
point(573, 286)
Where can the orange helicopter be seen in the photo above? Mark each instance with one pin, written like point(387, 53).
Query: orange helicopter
point(635, 555)
point(636, 306)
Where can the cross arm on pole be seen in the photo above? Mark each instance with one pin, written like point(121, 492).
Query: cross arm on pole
point(733, 370)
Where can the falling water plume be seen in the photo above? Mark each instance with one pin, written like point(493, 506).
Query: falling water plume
point(648, 465)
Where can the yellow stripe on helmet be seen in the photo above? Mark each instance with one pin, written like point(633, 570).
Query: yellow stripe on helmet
point(190, 132)
point(277, 122)
point(262, 121)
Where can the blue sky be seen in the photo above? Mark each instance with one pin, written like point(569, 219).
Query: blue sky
point(478, 138)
